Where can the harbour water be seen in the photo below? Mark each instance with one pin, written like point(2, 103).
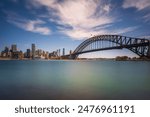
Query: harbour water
point(58, 79)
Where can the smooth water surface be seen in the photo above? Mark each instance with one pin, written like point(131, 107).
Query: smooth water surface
point(74, 79)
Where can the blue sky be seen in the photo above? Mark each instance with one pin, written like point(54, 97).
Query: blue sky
point(57, 24)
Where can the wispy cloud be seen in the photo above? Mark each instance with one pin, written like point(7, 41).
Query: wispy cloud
point(81, 34)
point(147, 18)
point(35, 26)
point(77, 19)
point(83, 17)
point(139, 4)
point(124, 30)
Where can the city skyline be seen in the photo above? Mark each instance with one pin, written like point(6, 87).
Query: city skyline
point(58, 24)
point(31, 53)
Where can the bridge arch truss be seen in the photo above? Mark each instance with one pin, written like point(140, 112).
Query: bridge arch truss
point(139, 46)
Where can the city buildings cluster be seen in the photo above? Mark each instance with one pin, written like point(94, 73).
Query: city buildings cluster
point(33, 53)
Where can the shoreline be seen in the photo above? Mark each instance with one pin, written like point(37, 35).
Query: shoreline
point(85, 59)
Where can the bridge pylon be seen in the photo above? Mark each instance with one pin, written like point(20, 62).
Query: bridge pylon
point(72, 56)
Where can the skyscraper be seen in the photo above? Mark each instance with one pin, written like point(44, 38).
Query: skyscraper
point(28, 53)
point(63, 51)
point(59, 52)
point(33, 51)
point(14, 48)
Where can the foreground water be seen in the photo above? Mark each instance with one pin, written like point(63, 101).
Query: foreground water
point(74, 80)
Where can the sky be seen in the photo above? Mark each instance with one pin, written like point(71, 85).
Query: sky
point(58, 24)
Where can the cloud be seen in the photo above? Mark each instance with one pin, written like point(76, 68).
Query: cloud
point(139, 4)
point(35, 26)
point(147, 18)
point(123, 30)
point(77, 13)
point(79, 19)
point(107, 8)
point(82, 34)
point(81, 16)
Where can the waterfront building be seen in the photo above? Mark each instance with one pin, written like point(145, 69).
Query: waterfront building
point(47, 55)
point(39, 53)
point(28, 53)
point(43, 54)
point(53, 54)
point(6, 52)
point(63, 51)
point(33, 51)
point(14, 48)
point(6, 49)
point(59, 52)
point(3, 54)
point(21, 55)
point(17, 55)
point(70, 52)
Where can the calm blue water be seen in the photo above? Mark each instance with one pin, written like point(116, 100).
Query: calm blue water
point(74, 80)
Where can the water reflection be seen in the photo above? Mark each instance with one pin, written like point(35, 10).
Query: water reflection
point(74, 80)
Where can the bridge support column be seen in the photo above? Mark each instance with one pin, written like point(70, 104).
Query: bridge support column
point(72, 56)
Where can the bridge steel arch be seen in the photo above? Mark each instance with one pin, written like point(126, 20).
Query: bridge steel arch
point(139, 46)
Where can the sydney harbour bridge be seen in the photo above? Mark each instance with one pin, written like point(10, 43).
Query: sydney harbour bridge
point(139, 46)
